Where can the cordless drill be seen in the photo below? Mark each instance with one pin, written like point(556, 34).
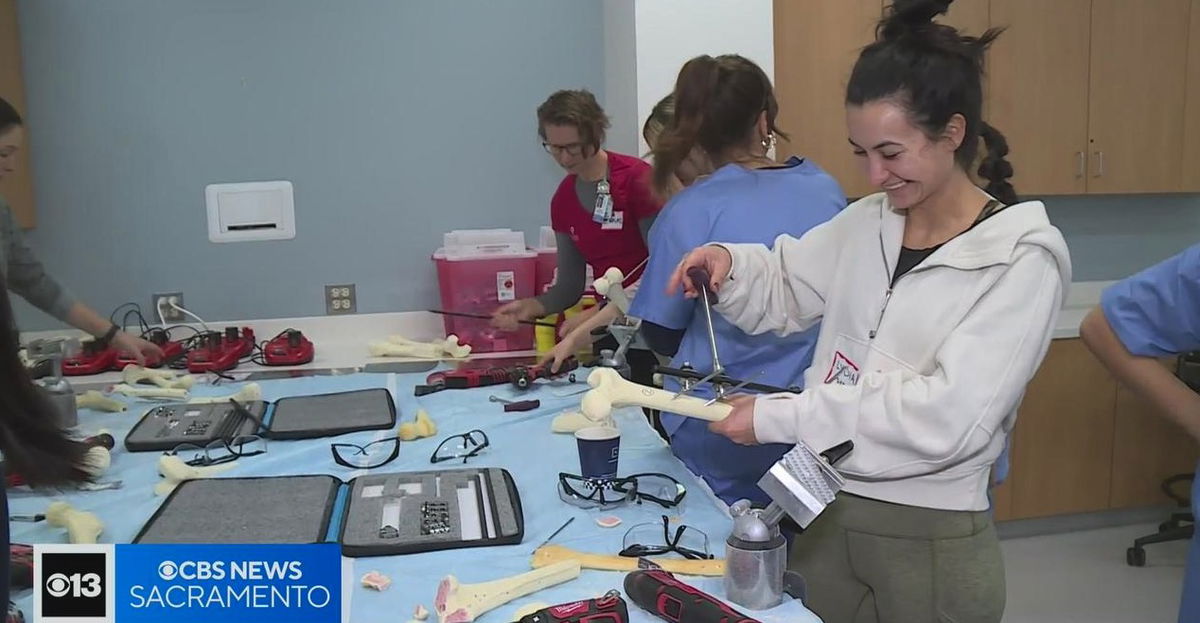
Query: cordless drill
point(607, 609)
point(660, 594)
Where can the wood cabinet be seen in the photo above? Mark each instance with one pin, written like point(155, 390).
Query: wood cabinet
point(1135, 114)
point(1147, 449)
point(1038, 91)
point(1062, 452)
point(1083, 443)
point(16, 187)
point(1191, 116)
point(1095, 96)
point(816, 44)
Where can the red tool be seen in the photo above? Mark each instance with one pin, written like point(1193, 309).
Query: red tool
point(171, 352)
point(524, 376)
point(289, 348)
point(94, 358)
point(607, 609)
point(660, 594)
point(463, 379)
point(214, 354)
point(244, 343)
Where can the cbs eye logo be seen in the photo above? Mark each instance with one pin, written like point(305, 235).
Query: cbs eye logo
point(74, 585)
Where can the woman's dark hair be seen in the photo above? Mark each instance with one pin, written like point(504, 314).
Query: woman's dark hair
point(34, 446)
point(9, 116)
point(717, 103)
point(574, 108)
point(934, 72)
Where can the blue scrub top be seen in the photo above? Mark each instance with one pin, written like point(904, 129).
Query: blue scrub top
point(1156, 313)
point(736, 205)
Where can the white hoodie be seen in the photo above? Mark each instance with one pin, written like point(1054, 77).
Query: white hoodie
point(925, 377)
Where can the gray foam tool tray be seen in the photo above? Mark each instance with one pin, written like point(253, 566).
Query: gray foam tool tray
point(380, 514)
point(166, 426)
point(403, 513)
point(281, 509)
point(325, 415)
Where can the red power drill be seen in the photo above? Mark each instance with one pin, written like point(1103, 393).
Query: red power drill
point(462, 379)
point(522, 377)
point(289, 348)
point(607, 609)
point(660, 594)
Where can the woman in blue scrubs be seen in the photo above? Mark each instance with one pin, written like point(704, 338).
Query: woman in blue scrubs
point(725, 106)
point(1156, 313)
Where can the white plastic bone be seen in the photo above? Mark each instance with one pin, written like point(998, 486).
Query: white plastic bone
point(610, 390)
point(93, 399)
point(610, 287)
point(97, 460)
point(251, 392)
point(400, 346)
point(82, 527)
point(462, 603)
point(134, 374)
point(175, 471)
point(571, 421)
point(148, 392)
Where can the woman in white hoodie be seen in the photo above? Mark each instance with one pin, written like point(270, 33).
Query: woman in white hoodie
point(937, 301)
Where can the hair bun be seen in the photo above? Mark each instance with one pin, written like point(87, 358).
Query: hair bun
point(910, 15)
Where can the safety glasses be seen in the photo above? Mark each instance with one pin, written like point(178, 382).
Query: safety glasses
point(610, 492)
point(375, 454)
point(462, 446)
point(220, 451)
point(689, 542)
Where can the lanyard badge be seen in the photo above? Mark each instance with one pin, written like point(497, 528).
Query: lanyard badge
point(603, 210)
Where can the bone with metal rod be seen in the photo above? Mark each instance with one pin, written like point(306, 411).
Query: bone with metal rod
point(611, 286)
point(610, 390)
point(708, 298)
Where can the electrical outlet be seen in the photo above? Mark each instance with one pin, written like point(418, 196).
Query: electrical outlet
point(160, 303)
point(340, 299)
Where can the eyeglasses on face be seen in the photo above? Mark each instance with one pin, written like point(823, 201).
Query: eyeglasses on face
point(571, 149)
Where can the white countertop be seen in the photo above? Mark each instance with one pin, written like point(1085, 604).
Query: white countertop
point(1081, 298)
point(341, 341)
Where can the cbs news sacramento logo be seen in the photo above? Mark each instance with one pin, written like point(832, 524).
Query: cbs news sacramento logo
point(184, 583)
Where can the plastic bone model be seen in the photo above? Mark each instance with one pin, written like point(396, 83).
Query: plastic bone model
point(149, 392)
point(93, 399)
point(555, 554)
point(134, 375)
point(610, 390)
point(251, 392)
point(175, 471)
point(400, 346)
point(609, 286)
point(97, 460)
point(81, 527)
point(462, 603)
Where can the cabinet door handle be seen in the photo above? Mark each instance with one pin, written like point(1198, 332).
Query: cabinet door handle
point(1079, 161)
point(1099, 163)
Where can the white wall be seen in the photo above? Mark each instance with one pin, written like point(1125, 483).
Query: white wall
point(620, 76)
point(669, 32)
point(647, 41)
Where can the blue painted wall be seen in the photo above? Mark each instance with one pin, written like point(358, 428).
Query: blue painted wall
point(395, 120)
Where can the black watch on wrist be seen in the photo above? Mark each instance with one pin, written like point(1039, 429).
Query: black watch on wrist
point(110, 334)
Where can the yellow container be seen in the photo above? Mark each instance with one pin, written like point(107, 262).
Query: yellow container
point(586, 302)
point(545, 337)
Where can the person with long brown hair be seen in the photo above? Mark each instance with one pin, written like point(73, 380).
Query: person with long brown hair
point(725, 115)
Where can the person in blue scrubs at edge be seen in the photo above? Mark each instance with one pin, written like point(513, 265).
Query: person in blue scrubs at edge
point(1156, 313)
point(726, 107)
